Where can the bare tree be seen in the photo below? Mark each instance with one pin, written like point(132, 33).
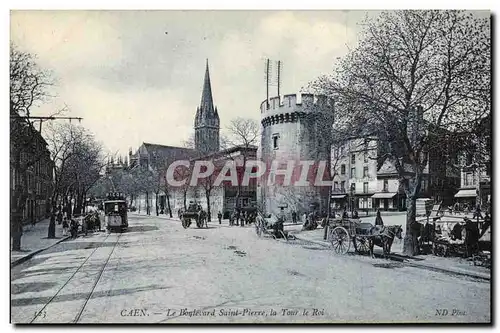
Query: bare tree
point(29, 87)
point(413, 74)
point(243, 133)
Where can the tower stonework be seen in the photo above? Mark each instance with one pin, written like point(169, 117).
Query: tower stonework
point(295, 127)
point(206, 123)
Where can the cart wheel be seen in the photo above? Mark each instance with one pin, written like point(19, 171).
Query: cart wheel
point(361, 245)
point(339, 237)
point(283, 236)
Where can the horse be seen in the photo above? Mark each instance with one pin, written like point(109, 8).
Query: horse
point(383, 236)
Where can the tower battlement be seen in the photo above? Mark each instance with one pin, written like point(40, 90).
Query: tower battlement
point(298, 102)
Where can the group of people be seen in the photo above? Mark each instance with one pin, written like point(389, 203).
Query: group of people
point(239, 217)
point(467, 208)
point(90, 222)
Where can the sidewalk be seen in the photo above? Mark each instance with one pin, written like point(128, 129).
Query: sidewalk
point(452, 265)
point(34, 240)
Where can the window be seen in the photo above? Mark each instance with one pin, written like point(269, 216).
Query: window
point(275, 141)
point(342, 186)
point(353, 172)
point(365, 187)
point(353, 158)
point(469, 159)
point(365, 171)
point(342, 169)
point(336, 186)
point(386, 185)
point(469, 179)
point(365, 157)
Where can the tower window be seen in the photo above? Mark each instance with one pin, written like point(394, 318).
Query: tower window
point(275, 141)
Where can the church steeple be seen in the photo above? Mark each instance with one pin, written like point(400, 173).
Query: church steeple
point(207, 102)
point(206, 122)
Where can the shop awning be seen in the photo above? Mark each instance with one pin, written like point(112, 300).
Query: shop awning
point(338, 196)
point(465, 194)
point(384, 195)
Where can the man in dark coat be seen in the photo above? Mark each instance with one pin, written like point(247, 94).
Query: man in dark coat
point(378, 219)
point(219, 216)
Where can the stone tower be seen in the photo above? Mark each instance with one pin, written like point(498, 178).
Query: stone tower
point(206, 123)
point(295, 128)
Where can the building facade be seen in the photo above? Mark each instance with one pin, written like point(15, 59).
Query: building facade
point(294, 128)
point(33, 175)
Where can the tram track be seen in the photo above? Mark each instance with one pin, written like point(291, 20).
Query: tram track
point(79, 269)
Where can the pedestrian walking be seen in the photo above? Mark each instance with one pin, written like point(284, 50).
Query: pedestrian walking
point(294, 217)
point(219, 216)
point(238, 214)
point(59, 217)
point(65, 227)
point(378, 219)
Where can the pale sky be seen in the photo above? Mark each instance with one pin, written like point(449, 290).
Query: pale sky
point(137, 76)
point(133, 83)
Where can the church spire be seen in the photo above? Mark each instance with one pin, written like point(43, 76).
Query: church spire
point(207, 103)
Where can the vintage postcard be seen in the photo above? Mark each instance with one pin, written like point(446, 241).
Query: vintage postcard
point(321, 166)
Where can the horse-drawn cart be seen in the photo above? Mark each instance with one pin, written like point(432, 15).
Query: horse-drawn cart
point(195, 212)
point(363, 236)
point(271, 227)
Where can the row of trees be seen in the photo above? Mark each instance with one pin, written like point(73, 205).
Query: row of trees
point(413, 76)
point(78, 163)
point(71, 154)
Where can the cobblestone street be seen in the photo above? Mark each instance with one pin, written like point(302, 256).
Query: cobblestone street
point(158, 272)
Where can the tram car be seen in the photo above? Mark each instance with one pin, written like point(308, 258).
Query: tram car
point(115, 212)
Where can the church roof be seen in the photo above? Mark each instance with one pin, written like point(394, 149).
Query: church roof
point(170, 152)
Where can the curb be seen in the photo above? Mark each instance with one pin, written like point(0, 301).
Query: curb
point(409, 262)
point(32, 254)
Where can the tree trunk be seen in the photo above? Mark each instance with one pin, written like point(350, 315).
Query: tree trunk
point(16, 219)
point(168, 204)
point(147, 203)
point(52, 223)
point(17, 230)
point(325, 233)
point(156, 203)
point(185, 199)
point(410, 246)
point(209, 213)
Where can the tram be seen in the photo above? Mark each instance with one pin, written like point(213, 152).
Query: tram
point(115, 212)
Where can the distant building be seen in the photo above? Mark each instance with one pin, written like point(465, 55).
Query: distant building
point(475, 168)
point(366, 181)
